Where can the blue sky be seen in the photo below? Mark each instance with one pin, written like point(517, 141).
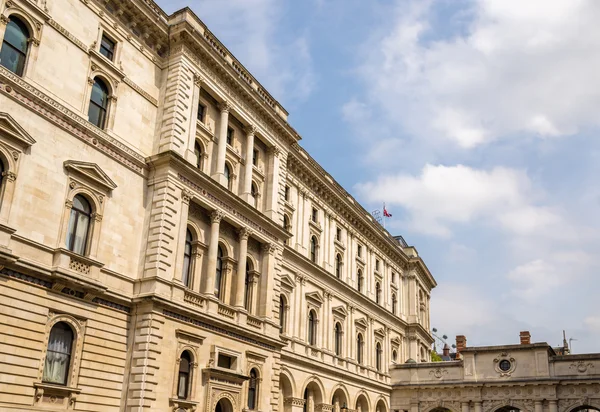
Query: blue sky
point(476, 121)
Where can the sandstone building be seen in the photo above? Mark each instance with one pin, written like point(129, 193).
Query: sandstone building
point(166, 244)
point(528, 377)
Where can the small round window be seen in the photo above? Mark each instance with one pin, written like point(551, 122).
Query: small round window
point(504, 365)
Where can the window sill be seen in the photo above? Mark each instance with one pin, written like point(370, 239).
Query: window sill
point(185, 404)
point(315, 225)
point(339, 244)
point(49, 394)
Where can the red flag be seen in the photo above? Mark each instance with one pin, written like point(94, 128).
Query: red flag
point(386, 213)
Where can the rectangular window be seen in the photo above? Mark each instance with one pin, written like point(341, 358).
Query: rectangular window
point(255, 157)
point(359, 250)
point(107, 48)
point(377, 265)
point(229, 136)
point(286, 194)
point(225, 361)
point(393, 278)
point(315, 215)
point(338, 234)
point(201, 112)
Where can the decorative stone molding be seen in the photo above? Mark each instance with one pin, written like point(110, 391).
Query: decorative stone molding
point(298, 402)
point(501, 360)
point(581, 366)
point(216, 216)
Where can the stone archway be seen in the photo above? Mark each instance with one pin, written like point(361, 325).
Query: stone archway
point(362, 403)
point(381, 406)
point(339, 399)
point(286, 391)
point(224, 405)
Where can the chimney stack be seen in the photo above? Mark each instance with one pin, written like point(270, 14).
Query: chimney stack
point(525, 337)
point(461, 343)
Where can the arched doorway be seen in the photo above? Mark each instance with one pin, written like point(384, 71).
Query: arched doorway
point(339, 400)
point(508, 408)
point(585, 408)
point(381, 406)
point(285, 391)
point(312, 397)
point(224, 405)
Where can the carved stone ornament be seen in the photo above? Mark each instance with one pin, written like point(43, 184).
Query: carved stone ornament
point(269, 248)
point(504, 364)
point(216, 216)
point(186, 196)
point(581, 366)
point(225, 106)
point(250, 129)
point(294, 401)
point(438, 373)
point(244, 233)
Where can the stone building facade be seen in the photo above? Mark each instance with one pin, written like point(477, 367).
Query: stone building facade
point(529, 377)
point(166, 244)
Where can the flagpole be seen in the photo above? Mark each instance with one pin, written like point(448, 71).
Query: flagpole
point(384, 215)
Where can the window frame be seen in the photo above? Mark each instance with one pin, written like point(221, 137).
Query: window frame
point(104, 107)
point(338, 339)
point(312, 328)
point(188, 380)
point(75, 215)
point(256, 397)
point(314, 249)
point(110, 39)
point(29, 36)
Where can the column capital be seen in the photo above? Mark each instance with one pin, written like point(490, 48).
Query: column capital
point(244, 233)
point(274, 150)
point(199, 79)
point(186, 196)
point(3, 20)
point(268, 248)
point(216, 216)
point(250, 129)
point(225, 106)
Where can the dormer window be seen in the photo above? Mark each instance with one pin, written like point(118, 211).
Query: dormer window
point(107, 48)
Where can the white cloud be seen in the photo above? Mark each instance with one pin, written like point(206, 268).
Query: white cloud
point(442, 196)
point(535, 279)
point(515, 68)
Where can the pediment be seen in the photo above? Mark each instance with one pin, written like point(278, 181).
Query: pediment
point(91, 172)
point(314, 297)
point(396, 341)
point(340, 311)
point(379, 332)
point(361, 323)
point(286, 280)
point(13, 130)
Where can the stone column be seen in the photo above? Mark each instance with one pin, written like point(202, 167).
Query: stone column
point(189, 153)
point(213, 247)
point(413, 312)
point(247, 193)
point(478, 406)
point(325, 246)
point(265, 306)
point(240, 286)
point(350, 259)
point(300, 307)
point(553, 406)
point(332, 236)
point(464, 406)
point(300, 221)
point(538, 406)
point(219, 174)
point(272, 182)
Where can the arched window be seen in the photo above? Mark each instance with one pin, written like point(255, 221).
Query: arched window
point(253, 390)
point(187, 258)
point(378, 353)
point(378, 293)
point(359, 281)
point(312, 328)
point(305, 407)
point(58, 355)
point(247, 285)
point(199, 154)
point(287, 226)
point(98, 103)
point(14, 47)
point(338, 339)
point(281, 314)
point(254, 193)
point(313, 249)
point(359, 348)
point(183, 381)
point(338, 266)
point(394, 356)
point(219, 274)
point(227, 173)
point(2, 173)
point(79, 225)
point(394, 303)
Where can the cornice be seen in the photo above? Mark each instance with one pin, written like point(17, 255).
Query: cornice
point(45, 106)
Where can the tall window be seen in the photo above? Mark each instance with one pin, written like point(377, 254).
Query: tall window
point(13, 54)
point(338, 234)
point(79, 225)
point(359, 250)
point(247, 285)
point(255, 157)
point(377, 265)
point(187, 258)
point(359, 280)
point(58, 355)
point(253, 390)
point(286, 193)
point(227, 173)
point(98, 104)
point(229, 136)
point(394, 356)
point(183, 381)
point(254, 193)
point(2, 175)
point(107, 48)
point(359, 348)
point(378, 293)
point(394, 303)
point(338, 266)
point(281, 314)
point(287, 226)
point(313, 249)
point(219, 274)
point(198, 153)
point(315, 215)
point(338, 339)
point(378, 353)
point(201, 112)
point(312, 328)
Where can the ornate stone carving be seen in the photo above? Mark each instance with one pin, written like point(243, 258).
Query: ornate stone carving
point(294, 401)
point(225, 106)
point(216, 216)
point(244, 233)
point(438, 373)
point(250, 129)
point(581, 366)
point(268, 248)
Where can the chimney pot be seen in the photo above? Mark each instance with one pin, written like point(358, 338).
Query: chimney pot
point(446, 350)
point(525, 337)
